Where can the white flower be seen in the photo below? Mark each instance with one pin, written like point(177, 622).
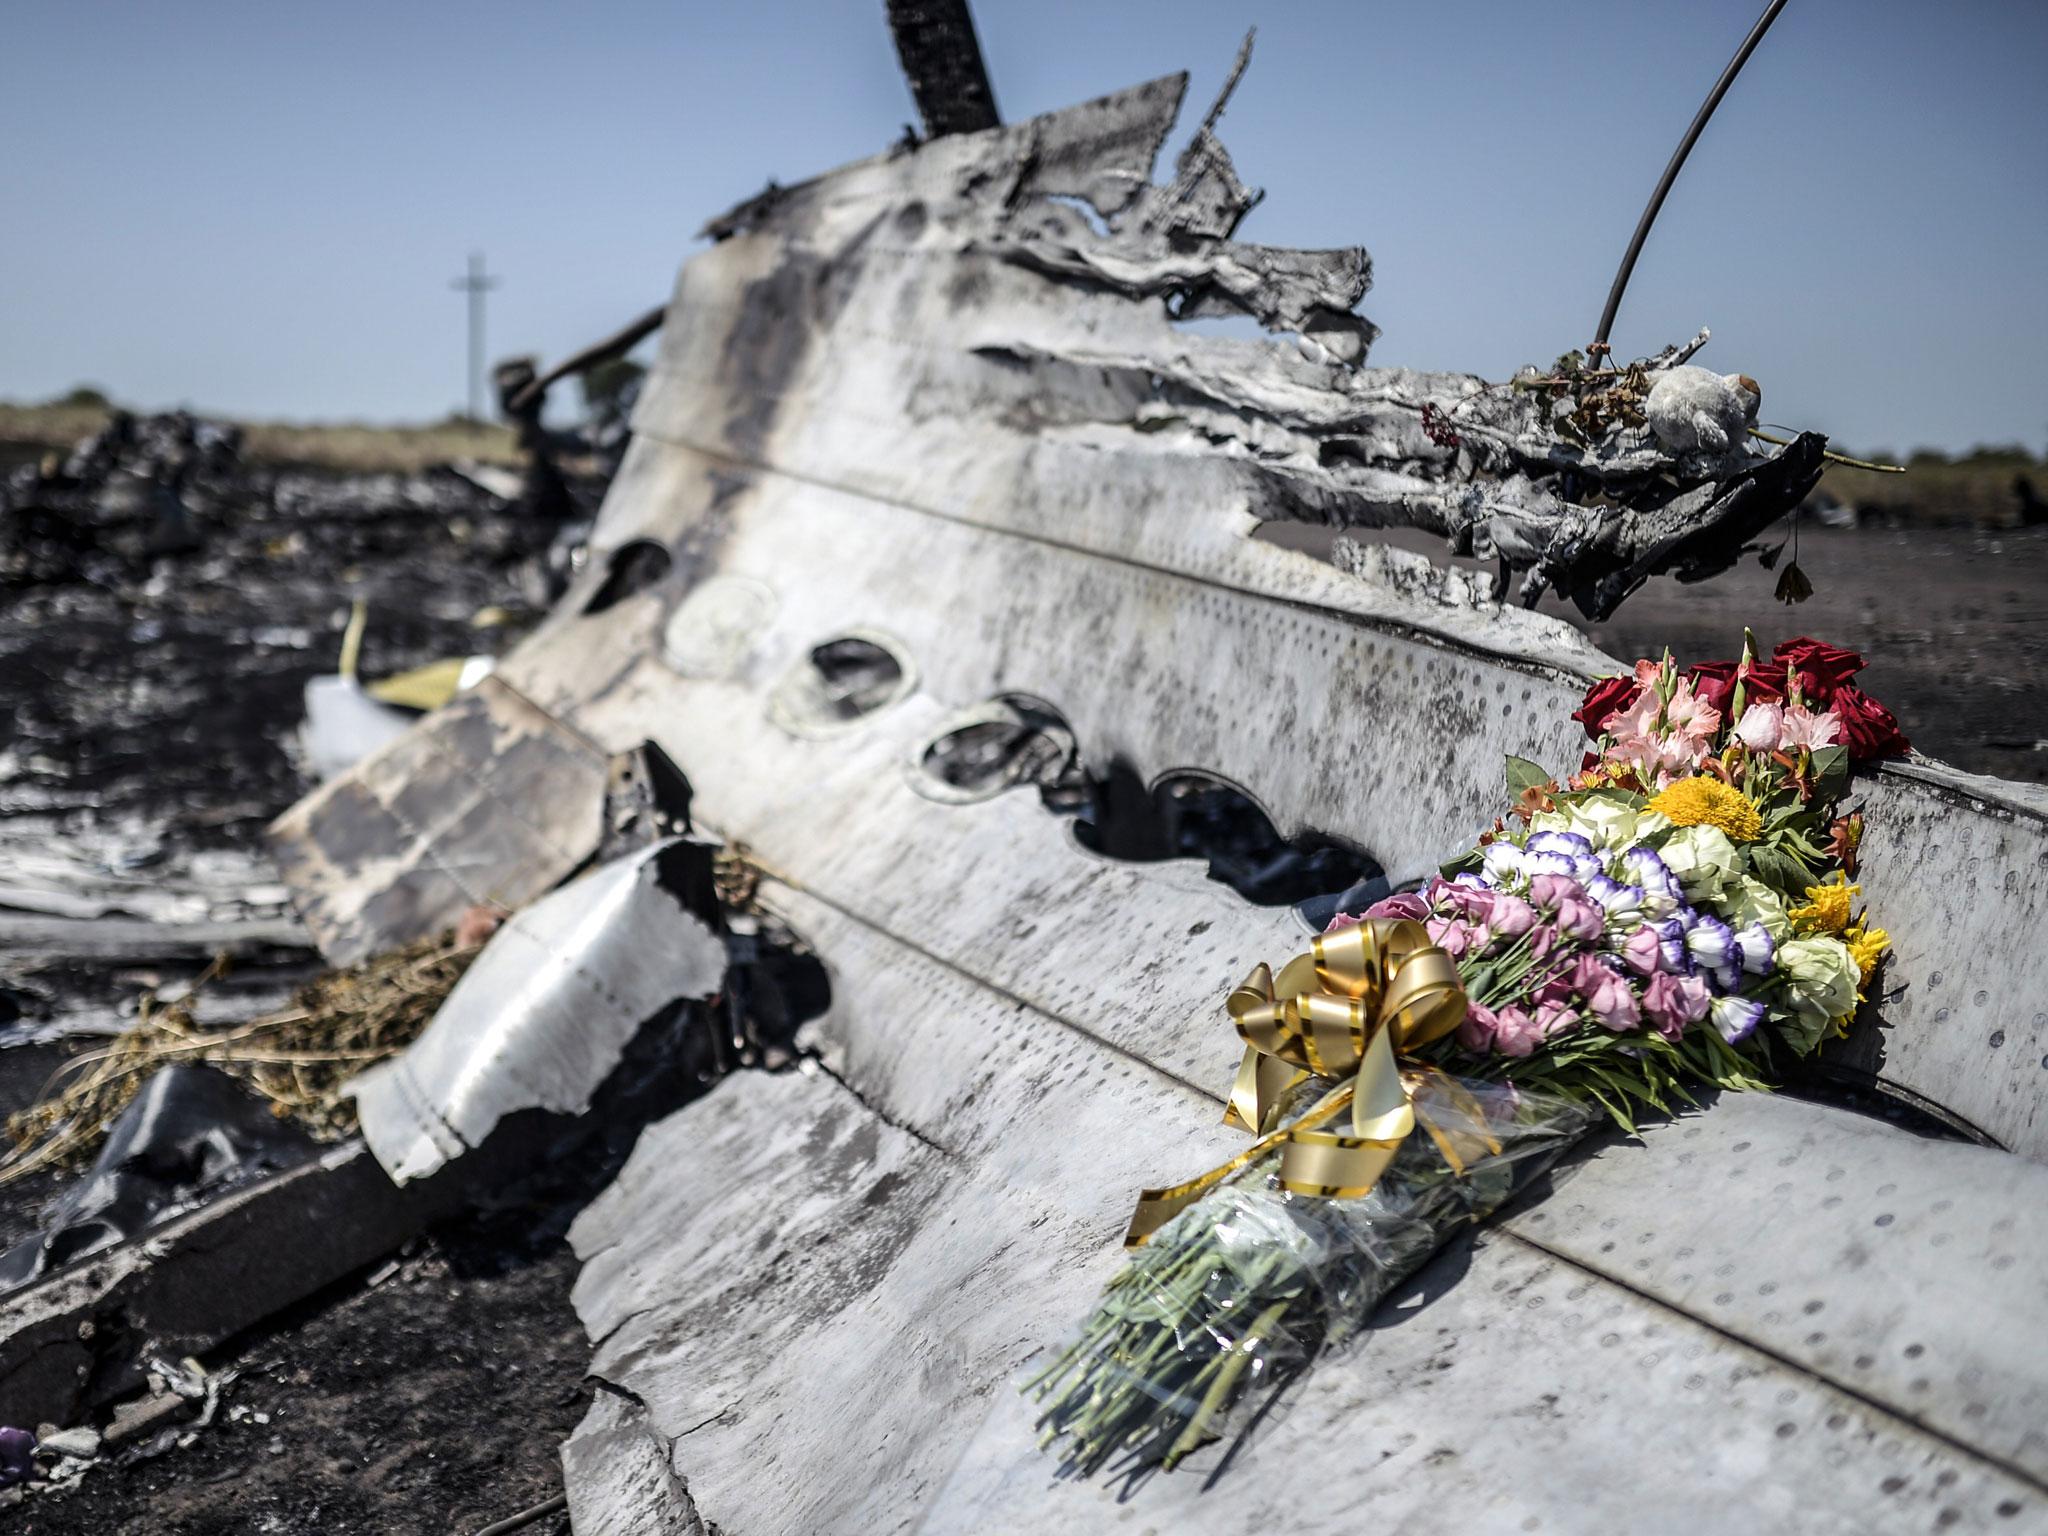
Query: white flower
point(1760, 727)
point(1609, 825)
point(1704, 861)
point(1751, 901)
point(1503, 862)
point(1821, 977)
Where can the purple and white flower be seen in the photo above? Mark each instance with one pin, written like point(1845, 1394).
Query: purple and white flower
point(1757, 949)
point(1736, 1017)
point(1623, 903)
point(1671, 942)
point(1570, 844)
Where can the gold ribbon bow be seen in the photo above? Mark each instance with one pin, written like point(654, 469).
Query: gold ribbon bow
point(1358, 1001)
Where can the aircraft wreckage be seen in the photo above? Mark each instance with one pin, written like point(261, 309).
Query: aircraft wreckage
point(935, 494)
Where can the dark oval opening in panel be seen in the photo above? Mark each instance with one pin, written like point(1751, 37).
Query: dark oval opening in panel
point(855, 677)
point(836, 684)
point(633, 567)
point(1013, 739)
point(1191, 815)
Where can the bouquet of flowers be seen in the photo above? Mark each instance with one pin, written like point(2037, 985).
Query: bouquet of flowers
point(1679, 912)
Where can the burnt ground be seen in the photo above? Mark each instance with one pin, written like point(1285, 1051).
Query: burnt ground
point(1953, 621)
point(434, 1401)
point(149, 704)
point(161, 694)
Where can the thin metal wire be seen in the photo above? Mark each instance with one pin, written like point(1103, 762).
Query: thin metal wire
point(1692, 134)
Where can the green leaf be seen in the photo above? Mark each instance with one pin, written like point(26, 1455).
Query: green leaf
point(1803, 1038)
point(1523, 774)
point(1831, 771)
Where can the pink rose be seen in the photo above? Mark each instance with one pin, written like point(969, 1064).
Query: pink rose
point(1452, 935)
point(1560, 985)
point(1673, 1002)
point(1472, 902)
point(1556, 1017)
point(1512, 917)
point(1476, 1033)
point(1515, 1033)
point(1408, 904)
point(1641, 952)
point(1582, 918)
point(1608, 997)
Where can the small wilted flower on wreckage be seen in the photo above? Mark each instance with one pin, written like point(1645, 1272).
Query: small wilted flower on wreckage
point(1534, 800)
point(1845, 836)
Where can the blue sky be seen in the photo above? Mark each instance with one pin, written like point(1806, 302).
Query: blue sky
point(255, 208)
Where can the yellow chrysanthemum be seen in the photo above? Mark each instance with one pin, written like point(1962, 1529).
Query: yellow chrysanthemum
point(1866, 947)
point(1827, 908)
point(1707, 802)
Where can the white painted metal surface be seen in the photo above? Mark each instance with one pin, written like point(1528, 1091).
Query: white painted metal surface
point(541, 1017)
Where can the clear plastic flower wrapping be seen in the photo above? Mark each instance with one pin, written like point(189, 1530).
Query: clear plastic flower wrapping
point(1252, 1281)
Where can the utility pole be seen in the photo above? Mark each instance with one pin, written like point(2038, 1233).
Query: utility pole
point(476, 285)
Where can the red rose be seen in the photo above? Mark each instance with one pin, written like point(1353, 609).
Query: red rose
point(1869, 730)
point(1713, 682)
point(1823, 669)
point(1765, 683)
point(1604, 700)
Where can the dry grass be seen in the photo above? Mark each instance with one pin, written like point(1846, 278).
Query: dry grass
point(299, 1059)
point(345, 446)
point(1975, 490)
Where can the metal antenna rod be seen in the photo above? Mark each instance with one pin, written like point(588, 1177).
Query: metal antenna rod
point(1692, 134)
point(476, 285)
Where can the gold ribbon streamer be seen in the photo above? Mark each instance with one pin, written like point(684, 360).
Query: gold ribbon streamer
point(1361, 999)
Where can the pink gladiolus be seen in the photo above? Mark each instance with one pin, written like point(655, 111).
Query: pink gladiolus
point(1639, 719)
point(1476, 1033)
point(1515, 1033)
point(1760, 727)
point(1689, 715)
point(1803, 728)
point(1641, 952)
